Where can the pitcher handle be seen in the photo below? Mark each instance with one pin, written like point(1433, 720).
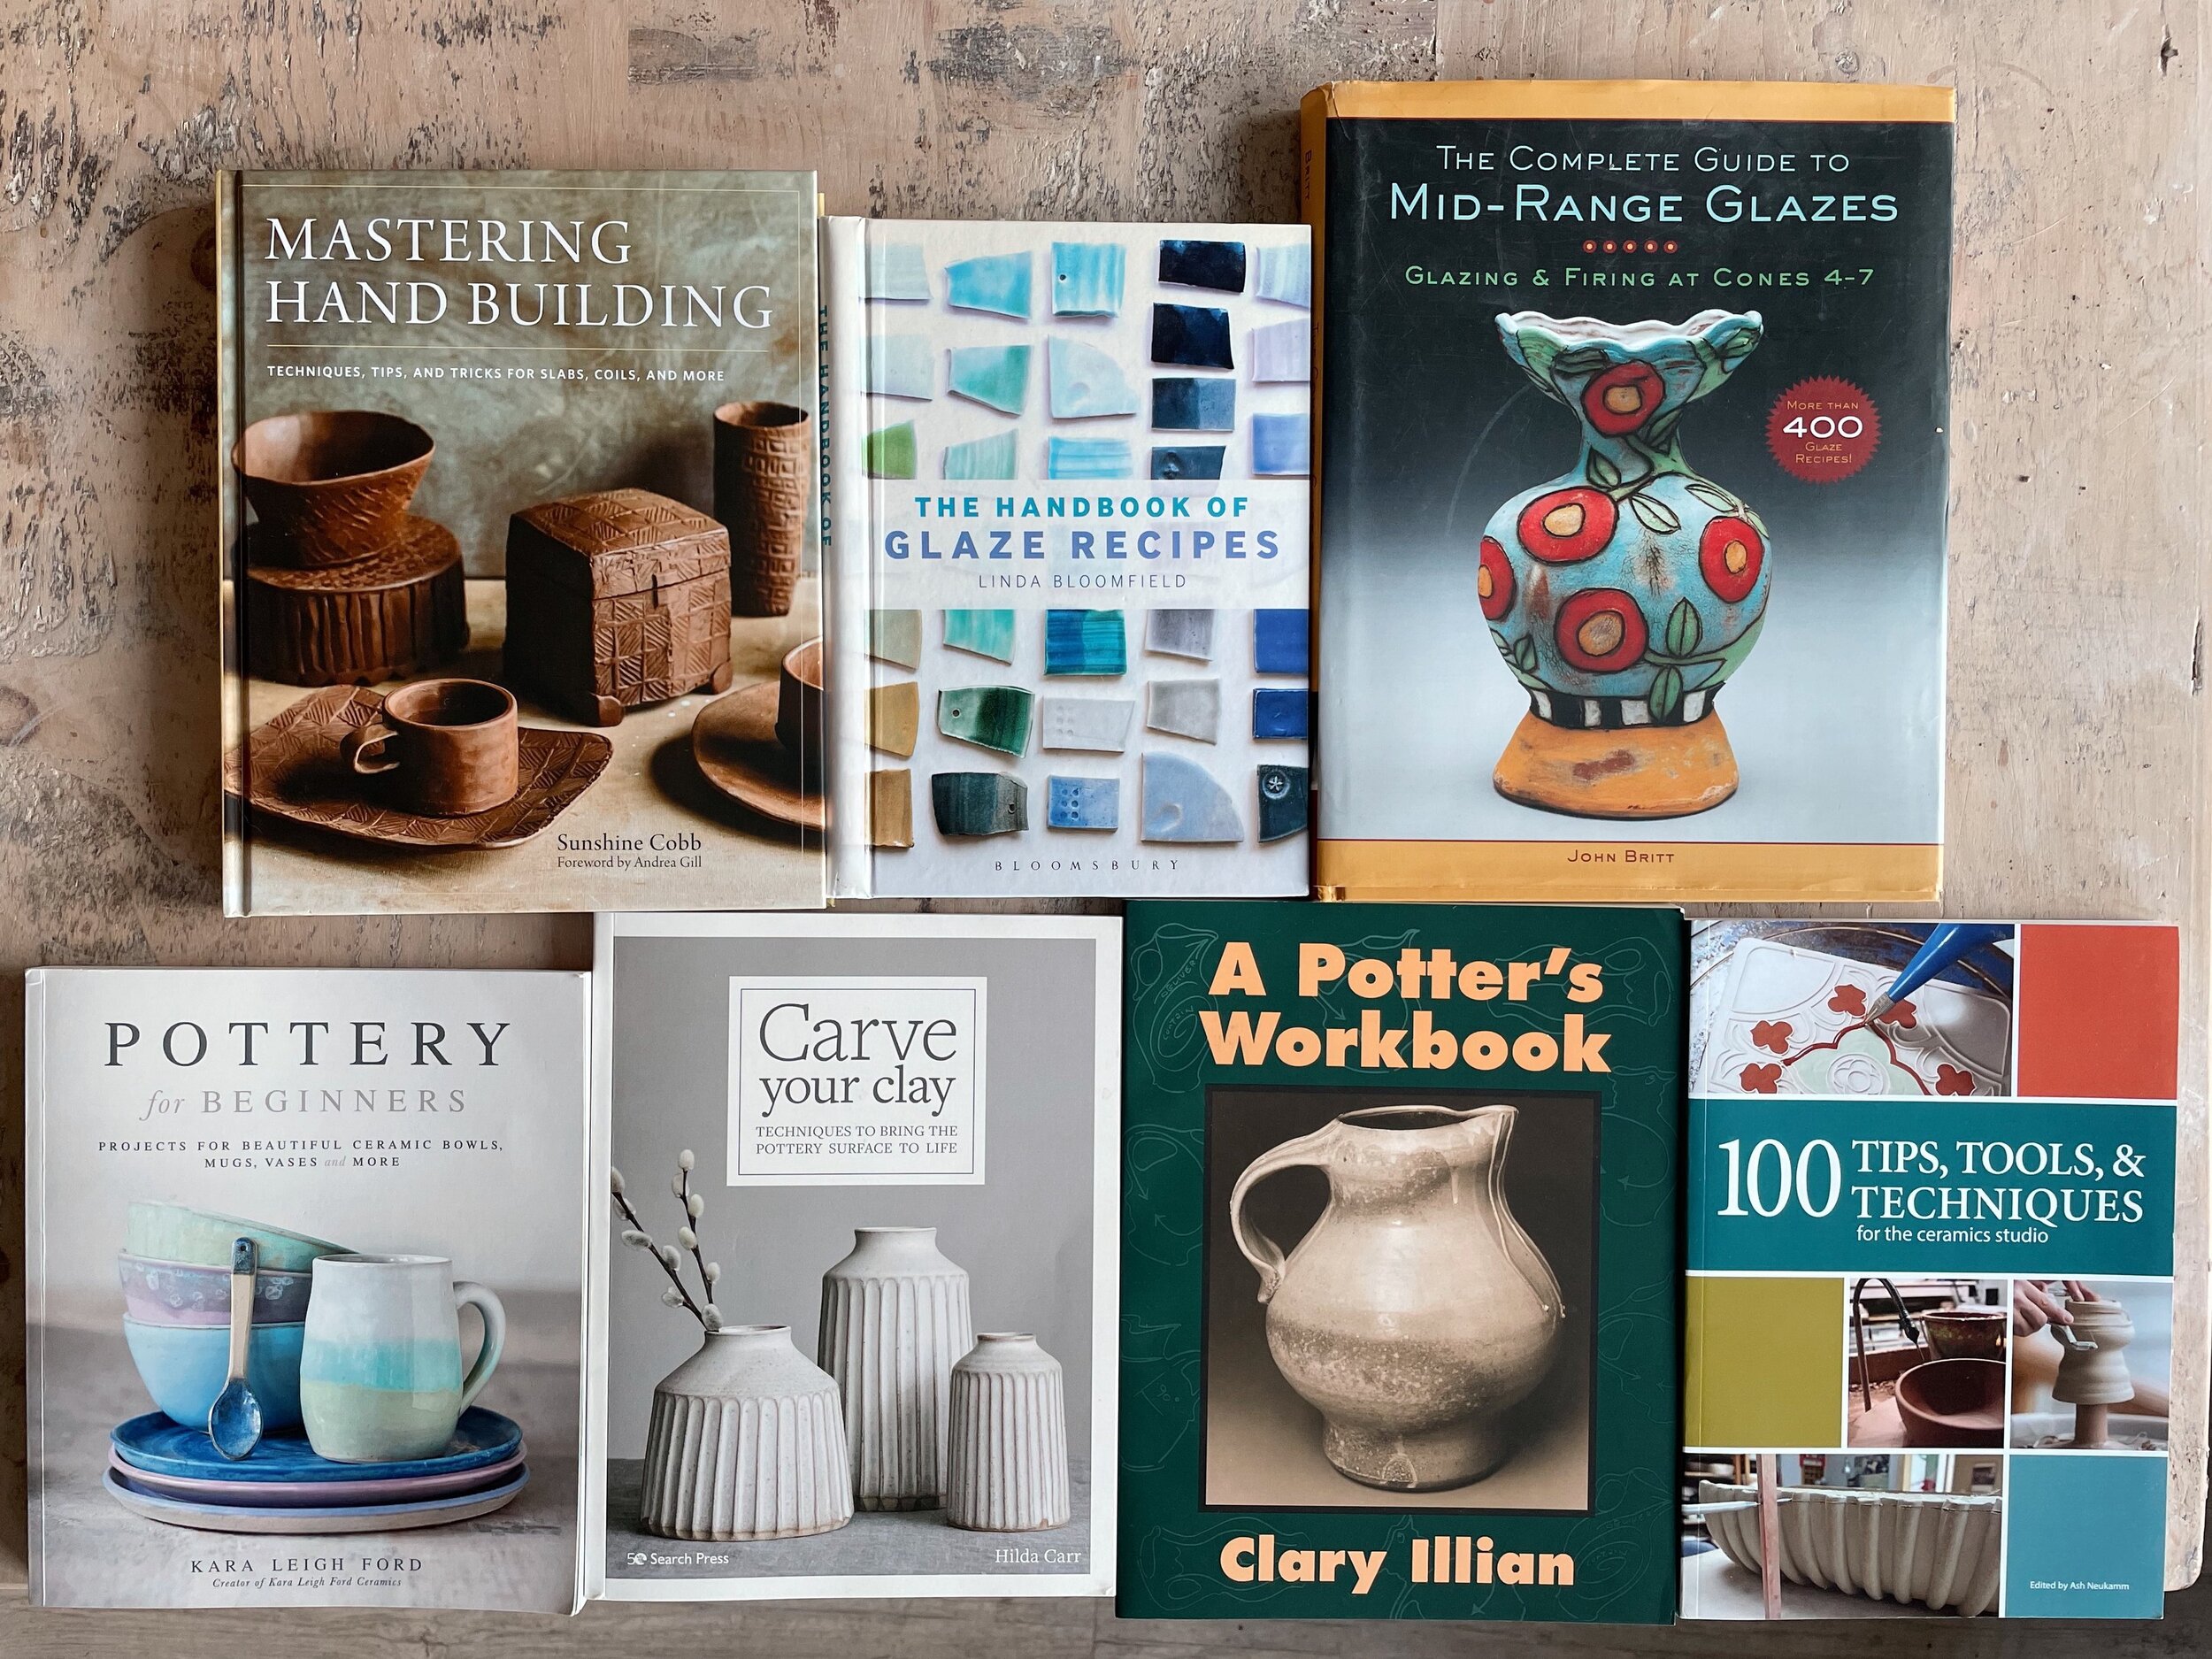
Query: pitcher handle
point(468, 1294)
point(1263, 1252)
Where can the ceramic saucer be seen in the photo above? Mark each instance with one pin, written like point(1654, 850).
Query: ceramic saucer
point(160, 1447)
point(734, 739)
point(290, 1494)
point(366, 1518)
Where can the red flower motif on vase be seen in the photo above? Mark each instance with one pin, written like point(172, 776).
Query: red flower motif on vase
point(1772, 1033)
point(1761, 1080)
point(1900, 1015)
point(1951, 1079)
point(1848, 999)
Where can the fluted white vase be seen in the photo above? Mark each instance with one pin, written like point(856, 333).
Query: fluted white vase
point(894, 1317)
point(1007, 1466)
point(747, 1441)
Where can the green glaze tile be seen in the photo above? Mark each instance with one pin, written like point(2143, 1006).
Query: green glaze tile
point(991, 716)
point(890, 451)
point(985, 632)
point(896, 636)
point(977, 803)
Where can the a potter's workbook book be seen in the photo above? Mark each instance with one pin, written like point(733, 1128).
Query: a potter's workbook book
point(305, 1288)
point(854, 1266)
point(1930, 1336)
point(1631, 434)
point(520, 513)
point(1398, 1262)
point(1068, 518)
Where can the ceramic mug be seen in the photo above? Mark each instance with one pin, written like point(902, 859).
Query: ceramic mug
point(381, 1368)
point(452, 744)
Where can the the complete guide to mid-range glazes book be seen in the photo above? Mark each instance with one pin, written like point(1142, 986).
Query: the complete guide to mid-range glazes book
point(1398, 1261)
point(1931, 1305)
point(1631, 427)
point(267, 1214)
point(856, 1278)
point(520, 513)
point(1069, 521)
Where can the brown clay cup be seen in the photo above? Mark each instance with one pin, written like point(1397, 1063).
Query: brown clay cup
point(329, 485)
point(764, 485)
point(799, 704)
point(450, 746)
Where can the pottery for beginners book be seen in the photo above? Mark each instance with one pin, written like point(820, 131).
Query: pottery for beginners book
point(854, 1282)
point(520, 524)
point(305, 1258)
point(1632, 417)
point(1929, 1304)
point(1398, 1261)
point(1069, 481)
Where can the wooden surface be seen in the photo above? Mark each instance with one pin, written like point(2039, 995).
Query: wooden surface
point(2077, 731)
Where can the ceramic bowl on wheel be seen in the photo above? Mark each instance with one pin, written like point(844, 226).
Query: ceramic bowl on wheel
point(184, 1293)
point(184, 1367)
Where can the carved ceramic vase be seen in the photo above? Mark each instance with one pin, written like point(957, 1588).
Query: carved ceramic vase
point(895, 1320)
point(746, 1441)
point(1625, 592)
point(2095, 1376)
point(1415, 1312)
point(1006, 1468)
point(1938, 1549)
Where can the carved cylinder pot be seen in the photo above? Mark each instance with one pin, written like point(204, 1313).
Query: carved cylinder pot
point(894, 1319)
point(1006, 1469)
point(764, 485)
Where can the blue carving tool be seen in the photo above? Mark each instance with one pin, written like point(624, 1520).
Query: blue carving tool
point(1946, 945)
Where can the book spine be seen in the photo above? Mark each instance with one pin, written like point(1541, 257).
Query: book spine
point(34, 1269)
point(1316, 110)
point(847, 552)
point(230, 529)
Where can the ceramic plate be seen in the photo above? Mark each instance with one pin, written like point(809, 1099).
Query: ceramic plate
point(160, 1447)
point(368, 1517)
point(295, 775)
point(734, 739)
point(291, 1494)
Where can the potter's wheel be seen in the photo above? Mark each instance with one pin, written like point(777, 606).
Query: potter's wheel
point(2049, 1430)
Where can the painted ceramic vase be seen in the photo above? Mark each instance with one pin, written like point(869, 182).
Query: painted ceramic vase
point(1625, 592)
point(1415, 1312)
point(895, 1320)
point(381, 1366)
point(1006, 1468)
point(747, 1441)
point(2095, 1376)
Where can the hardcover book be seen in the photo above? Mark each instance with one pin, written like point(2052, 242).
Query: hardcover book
point(304, 1273)
point(520, 484)
point(1619, 381)
point(1931, 1299)
point(1398, 1261)
point(1069, 507)
point(856, 1274)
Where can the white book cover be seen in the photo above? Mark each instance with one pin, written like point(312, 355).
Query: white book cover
point(398, 1161)
point(855, 1282)
point(1068, 517)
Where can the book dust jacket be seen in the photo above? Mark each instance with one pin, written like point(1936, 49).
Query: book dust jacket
point(1398, 1262)
point(1633, 415)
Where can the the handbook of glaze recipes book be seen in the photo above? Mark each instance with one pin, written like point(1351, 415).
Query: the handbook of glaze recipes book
point(304, 1281)
point(1931, 1305)
point(1398, 1262)
point(1068, 506)
point(520, 524)
point(1633, 415)
point(855, 1275)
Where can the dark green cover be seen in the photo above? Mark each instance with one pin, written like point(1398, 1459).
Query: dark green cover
point(1609, 1231)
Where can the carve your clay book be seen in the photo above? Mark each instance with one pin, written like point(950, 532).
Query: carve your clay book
point(1398, 1262)
point(1632, 444)
point(1069, 471)
point(305, 1277)
point(520, 513)
point(854, 1263)
point(1930, 1311)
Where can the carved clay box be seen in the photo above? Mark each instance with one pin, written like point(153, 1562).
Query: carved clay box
point(614, 600)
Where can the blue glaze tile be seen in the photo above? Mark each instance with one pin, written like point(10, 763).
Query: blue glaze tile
point(897, 271)
point(1087, 279)
point(1196, 460)
point(1083, 803)
point(1280, 446)
point(1279, 641)
point(1203, 264)
point(1085, 642)
point(899, 365)
point(1087, 458)
point(1193, 405)
point(984, 632)
point(997, 377)
point(1284, 793)
point(1281, 711)
point(1084, 382)
point(997, 282)
point(1191, 337)
point(981, 457)
point(1182, 802)
point(1282, 353)
point(1284, 275)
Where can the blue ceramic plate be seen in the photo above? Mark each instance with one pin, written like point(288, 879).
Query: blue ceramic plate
point(366, 1518)
point(156, 1444)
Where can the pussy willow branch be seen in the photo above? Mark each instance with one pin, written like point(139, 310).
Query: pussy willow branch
point(675, 1278)
point(691, 1225)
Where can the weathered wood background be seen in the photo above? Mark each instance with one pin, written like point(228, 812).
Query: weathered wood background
point(2077, 732)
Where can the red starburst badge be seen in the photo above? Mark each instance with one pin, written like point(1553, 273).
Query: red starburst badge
point(1823, 430)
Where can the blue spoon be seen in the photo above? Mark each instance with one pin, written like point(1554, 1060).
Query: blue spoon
point(233, 1422)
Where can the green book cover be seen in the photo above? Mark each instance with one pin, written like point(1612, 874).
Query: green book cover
point(1399, 1262)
